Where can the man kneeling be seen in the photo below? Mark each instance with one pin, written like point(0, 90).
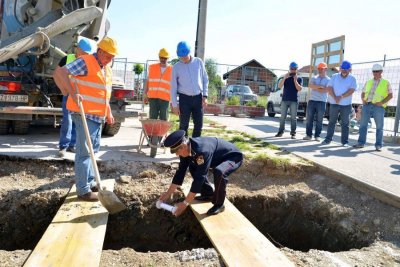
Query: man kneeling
point(200, 154)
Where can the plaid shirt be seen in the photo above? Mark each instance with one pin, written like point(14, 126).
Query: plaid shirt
point(78, 68)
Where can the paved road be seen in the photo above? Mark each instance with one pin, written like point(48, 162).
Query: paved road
point(365, 168)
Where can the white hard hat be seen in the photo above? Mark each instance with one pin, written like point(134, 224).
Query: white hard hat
point(377, 67)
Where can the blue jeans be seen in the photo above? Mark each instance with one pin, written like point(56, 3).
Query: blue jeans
point(67, 130)
point(191, 106)
point(84, 172)
point(334, 111)
point(293, 116)
point(315, 111)
point(376, 112)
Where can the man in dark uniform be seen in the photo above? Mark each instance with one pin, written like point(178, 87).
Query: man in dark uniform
point(199, 155)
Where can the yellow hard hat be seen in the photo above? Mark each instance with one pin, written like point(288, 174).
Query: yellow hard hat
point(163, 53)
point(109, 45)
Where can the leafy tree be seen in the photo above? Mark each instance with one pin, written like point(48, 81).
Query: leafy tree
point(138, 69)
point(215, 81)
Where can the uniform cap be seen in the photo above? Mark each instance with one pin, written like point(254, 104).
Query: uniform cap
point(293, 65)
point(174, 140)
point(322, 65)
point(163, 53)
point(183, 49)
point(346, 65)
point(377, 67)
point(85, 45)
point(109, 45)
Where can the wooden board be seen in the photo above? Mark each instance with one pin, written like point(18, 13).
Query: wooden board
point(238, 241)
point(75, 236)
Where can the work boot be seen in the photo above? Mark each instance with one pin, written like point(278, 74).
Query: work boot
point(216, 209)
point(90, 196)
point(279, 134)
point(71, 149)
point(62, 152)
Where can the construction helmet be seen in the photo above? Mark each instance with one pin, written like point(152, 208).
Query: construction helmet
point(85, 44)
point(183, 49)
point(346, 65)
point(377, 67)
point(108, 45)
point(322, 65)
point(293, 65)
point(163, 53)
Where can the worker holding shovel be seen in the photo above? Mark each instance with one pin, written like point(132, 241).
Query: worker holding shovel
point(89, 86)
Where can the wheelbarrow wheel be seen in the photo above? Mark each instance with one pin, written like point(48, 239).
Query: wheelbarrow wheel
point(153, 146)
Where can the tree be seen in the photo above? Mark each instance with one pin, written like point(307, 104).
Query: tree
point(138, 69)
point(215, 82)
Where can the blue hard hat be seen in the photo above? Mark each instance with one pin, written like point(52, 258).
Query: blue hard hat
point(174, 140)
point(183, 49)
point(293, 65)
point(85, 45)
point(346, 65)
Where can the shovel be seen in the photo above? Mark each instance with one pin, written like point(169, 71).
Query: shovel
point(108, 199)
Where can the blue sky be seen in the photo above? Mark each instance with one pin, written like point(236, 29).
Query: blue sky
point(272, 32)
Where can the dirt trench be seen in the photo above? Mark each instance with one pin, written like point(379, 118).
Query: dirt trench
point(314, 219)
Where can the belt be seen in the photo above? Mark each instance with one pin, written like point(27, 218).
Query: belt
point(189, 95)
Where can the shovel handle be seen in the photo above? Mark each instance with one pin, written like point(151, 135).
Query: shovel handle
point(89, 142)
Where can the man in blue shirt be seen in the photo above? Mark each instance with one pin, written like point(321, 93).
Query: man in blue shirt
point(190, 83)
point(199, 155)
point(291, 86)
point(317, 104)
point(340, 88)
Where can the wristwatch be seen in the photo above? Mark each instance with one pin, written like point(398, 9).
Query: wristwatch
point(186, 203)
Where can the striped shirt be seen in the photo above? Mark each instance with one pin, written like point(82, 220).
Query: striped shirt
point(78, 68)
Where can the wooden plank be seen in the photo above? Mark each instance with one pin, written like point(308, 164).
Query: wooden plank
point(75, 236)
point(238, 241)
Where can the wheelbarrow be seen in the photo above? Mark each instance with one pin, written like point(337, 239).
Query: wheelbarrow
point(154, 131)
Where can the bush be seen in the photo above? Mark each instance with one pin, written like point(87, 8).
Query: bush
point(251, 104)
point(233, 101)
point(262, 102)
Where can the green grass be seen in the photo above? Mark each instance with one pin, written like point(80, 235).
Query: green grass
point(244, 141)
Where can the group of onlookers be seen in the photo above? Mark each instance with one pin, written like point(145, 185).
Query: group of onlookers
point(338, 91)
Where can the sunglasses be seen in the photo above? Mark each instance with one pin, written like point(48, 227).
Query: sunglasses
point(376, 71)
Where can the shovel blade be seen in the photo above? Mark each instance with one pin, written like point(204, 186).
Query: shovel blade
point(110, 201)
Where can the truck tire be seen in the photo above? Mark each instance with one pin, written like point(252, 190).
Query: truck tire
point(20, 127)
point(4, 127)
point(111, 130)
point(270, 110)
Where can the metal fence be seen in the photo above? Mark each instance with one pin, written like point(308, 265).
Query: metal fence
point(361, 70)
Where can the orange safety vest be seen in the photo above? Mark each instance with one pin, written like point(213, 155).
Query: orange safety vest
point(159, 84)
point(94, 88)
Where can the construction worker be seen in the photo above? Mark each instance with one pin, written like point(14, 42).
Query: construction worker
point(190, 83)
point(158, 87)
point(316, 106)
point(291, 84)
point(67, 130)
point(376, 94)
point(340, 96)
point(88, 78)
point(199, 155)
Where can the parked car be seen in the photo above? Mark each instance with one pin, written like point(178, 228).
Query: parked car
point(244, 93)
point(275, 98)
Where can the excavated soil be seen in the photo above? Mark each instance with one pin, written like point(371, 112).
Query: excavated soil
point(314, 219)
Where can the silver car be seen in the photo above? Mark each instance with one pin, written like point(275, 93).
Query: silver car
point(244, 92)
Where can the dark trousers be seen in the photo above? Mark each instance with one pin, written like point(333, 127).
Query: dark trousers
point(191, 106)
point(158, 109)
point(221, 173)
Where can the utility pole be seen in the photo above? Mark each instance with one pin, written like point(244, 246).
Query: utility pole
point(201, 30)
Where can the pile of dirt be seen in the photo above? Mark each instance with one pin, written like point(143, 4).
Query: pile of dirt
point(314, 219)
